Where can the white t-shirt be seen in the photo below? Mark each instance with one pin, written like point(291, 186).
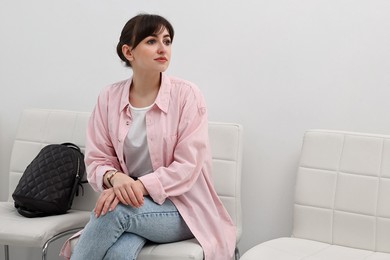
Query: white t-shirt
point(135, 150)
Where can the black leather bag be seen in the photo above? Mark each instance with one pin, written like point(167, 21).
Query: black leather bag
point(50, 182)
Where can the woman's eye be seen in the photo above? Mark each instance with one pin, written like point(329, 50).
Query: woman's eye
point(151, 41)
point(167, 42)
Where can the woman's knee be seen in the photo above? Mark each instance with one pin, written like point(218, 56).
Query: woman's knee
point(118, 217)
point(126, 247)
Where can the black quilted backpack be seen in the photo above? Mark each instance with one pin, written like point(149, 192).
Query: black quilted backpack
point(50, 182)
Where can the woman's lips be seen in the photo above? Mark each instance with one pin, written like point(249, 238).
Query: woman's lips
point(161, 59)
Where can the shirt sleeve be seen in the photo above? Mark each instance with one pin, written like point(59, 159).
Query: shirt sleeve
point(100, 155)
point(191, 152)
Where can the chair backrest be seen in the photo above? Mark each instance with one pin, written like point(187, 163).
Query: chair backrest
point(343, 190)
point(39, 127)
point(226, 140)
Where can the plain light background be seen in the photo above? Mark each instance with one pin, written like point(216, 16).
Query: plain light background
point(278, 67)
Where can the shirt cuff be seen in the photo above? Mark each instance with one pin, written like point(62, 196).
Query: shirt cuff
point(100, 171)
point(154, 187)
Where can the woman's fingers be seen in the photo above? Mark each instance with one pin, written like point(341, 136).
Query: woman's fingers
point(129, 193)
point(138, 192)
point(121, 183)
point(114, 204)
point(99, 203)
point(136, 200)
point(106, 198)
point(125, 190)
point(122, 196)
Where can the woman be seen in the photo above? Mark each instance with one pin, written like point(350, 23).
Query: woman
point(147, 151)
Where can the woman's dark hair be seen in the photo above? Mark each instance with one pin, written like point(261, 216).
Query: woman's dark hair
point(138, 28)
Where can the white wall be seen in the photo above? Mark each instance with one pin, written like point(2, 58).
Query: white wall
point(278, 67)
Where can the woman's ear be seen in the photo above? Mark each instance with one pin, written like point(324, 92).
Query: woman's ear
point(126, 50)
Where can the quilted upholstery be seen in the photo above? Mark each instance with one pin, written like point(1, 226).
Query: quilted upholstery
point(342, 200)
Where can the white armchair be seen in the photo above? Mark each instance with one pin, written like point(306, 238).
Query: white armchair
point(342, 201)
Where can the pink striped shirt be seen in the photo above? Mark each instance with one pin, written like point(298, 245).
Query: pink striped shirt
point(177, 135)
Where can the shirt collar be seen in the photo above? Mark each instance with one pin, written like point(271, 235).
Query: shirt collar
point(125, 94)
point(162, 99)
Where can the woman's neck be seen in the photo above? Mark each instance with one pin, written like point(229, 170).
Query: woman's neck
point(144, 89)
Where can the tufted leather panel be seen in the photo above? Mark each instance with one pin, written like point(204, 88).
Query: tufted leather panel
point(226, 150)
point(343, 190)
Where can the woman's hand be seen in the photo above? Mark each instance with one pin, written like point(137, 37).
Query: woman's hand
point(128, 191)
point(107, 201)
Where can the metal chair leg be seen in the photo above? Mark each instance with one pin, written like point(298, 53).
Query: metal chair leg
point(44, 251)
point(236, 254)
point(65, 233)
point(6, 252)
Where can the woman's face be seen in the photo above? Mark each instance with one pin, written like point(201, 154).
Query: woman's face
point(153, 53)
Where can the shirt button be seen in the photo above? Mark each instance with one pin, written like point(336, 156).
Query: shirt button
point(119, 140)
point(127, 123)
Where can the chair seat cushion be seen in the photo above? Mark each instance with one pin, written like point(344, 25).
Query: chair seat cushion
point(288, 248)
point(34, 232)
point(187, 249)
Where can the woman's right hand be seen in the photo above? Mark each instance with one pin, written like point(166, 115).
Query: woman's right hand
point(127, 190)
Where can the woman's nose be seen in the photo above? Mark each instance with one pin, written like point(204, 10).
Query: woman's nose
point(161, 48)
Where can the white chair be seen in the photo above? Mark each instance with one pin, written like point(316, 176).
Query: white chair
point(38, 128)
point(342, 201)
point(226, 145)
point(226, 148)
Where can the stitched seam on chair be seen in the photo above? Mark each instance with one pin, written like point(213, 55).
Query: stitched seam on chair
point(344, 172)
point(236, 160)
point(337, 210)
point(314, 253)
point(377, 197)
point(224, 160)
point(317, 168)
point(335, 190)
point(387, 137)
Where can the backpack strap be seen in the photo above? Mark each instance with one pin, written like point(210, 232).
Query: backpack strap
point(72, 145)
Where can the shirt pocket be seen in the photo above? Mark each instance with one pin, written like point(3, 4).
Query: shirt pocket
point(169, 145)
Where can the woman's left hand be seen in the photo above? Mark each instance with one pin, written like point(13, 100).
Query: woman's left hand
point(129, 191)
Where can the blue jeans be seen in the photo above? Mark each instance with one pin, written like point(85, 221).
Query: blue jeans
point(121, 233)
